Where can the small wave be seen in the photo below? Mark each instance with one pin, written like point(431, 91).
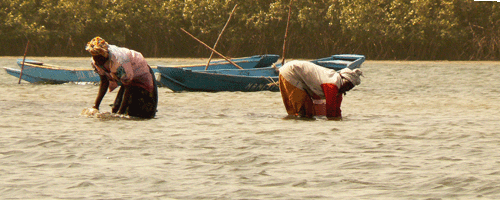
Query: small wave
point(82, 185)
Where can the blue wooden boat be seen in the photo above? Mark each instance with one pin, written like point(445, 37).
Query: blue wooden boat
point(256, 61)
point(247, 80)
point(179, 79)
point(29, 78)
point(341, 61)
point(38, 72)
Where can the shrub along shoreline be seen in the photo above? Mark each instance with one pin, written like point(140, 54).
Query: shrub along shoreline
point(379, 29)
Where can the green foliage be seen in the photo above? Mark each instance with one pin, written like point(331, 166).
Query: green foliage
point(379, 29)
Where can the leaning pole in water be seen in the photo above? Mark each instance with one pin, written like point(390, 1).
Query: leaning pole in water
point(22, 66)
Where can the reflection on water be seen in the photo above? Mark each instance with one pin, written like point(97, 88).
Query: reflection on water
point(411, 130)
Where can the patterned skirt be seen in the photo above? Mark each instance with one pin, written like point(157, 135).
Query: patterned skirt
point(142, 103)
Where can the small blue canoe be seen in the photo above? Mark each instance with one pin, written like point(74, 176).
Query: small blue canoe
point(246, 80)
point(256, 61)
point(38, 72)
point(29, 78)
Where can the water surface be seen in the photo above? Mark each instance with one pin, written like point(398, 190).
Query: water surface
point(411, 130)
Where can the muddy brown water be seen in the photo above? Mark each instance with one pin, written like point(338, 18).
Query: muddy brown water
point(411, 130)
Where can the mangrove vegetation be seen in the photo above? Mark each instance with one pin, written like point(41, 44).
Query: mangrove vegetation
point(379, 29)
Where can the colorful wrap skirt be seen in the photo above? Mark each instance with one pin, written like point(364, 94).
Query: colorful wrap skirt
point(141, 103)
point(297, 101)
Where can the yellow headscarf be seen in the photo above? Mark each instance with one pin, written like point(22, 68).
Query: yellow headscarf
point(97, 46)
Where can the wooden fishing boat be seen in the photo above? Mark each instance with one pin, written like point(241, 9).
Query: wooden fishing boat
point(341, 61)
point(256, 61)
point(247, 80)
point(179, 79)
point(29, 78)
point(38, 72)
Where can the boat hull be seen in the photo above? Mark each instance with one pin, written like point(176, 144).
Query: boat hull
point(189, 80)
point(256, 61)
point(36, 72)
point(28, 78)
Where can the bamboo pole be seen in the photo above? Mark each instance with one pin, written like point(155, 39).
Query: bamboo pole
point(217, 41)
point(22, 66)
point(286, 31)
point(230, 61)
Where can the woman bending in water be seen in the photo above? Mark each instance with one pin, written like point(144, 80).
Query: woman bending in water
point(302, 81)
point(138, 94)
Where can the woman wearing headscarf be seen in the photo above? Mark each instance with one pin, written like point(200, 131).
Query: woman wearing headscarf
point(302, 81)
point(138, 94)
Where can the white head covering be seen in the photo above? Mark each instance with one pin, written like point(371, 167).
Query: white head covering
point(352, 75)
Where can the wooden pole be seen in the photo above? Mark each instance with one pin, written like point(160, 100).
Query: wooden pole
point(286, 31)
point(22, 66)
point(230, 61)
point(217, 41)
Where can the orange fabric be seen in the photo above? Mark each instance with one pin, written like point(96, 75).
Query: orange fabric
point(297, 101)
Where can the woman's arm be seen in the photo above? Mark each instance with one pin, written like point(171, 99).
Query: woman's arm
point(103, 86)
